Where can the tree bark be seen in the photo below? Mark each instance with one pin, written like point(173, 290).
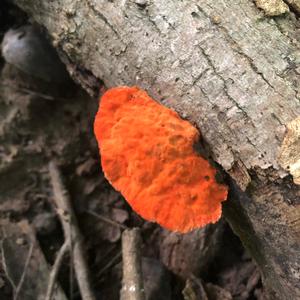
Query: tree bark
point(225, 67)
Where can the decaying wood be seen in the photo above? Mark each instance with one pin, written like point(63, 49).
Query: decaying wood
point(71, 232)
point(289, 157)
point(227, 68)
point(132, 285)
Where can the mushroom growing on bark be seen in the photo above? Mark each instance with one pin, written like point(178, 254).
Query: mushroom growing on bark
point(148, 154)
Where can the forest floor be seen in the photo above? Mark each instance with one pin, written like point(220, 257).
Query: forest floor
point(43, 121)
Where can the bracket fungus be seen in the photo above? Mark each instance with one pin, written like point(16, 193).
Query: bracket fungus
point(148, 154)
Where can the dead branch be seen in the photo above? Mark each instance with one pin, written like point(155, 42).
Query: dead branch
point(107, 220)
point(55, 269)
point(20, 284)
point(71, 231)
point(114, 260)
point(132, 287)
point(31, 92)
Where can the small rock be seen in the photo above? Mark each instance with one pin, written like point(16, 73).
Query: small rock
point(28, 50)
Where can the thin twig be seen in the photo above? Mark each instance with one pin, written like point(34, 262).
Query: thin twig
point(19, 286)
point(55, 269)
point(132, 286)
point(107, 220)
point(32, 92)
point(4, 265)
point(71, 230)
point(110, 263)
point(71, 273)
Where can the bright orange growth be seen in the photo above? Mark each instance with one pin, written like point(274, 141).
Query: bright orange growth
point(147, 154)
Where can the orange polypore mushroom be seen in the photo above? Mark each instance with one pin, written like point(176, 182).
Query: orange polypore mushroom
point(147, 153)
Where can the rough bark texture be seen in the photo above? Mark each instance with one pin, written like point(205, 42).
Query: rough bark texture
point(226, 68)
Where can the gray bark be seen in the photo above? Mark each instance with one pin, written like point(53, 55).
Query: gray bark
point(225, 67)
point(132, 282)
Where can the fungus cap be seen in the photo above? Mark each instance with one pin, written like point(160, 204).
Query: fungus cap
point(147, 153)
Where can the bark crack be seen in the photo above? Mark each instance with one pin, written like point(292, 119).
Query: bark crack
point(157, 29)
point(237, 49)
point(225, 87)
point(167, 21)
point(277, 119)
point(197, 78)
point(103, 18)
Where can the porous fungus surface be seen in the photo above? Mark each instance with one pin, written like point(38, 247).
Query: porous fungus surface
point(147, 153)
